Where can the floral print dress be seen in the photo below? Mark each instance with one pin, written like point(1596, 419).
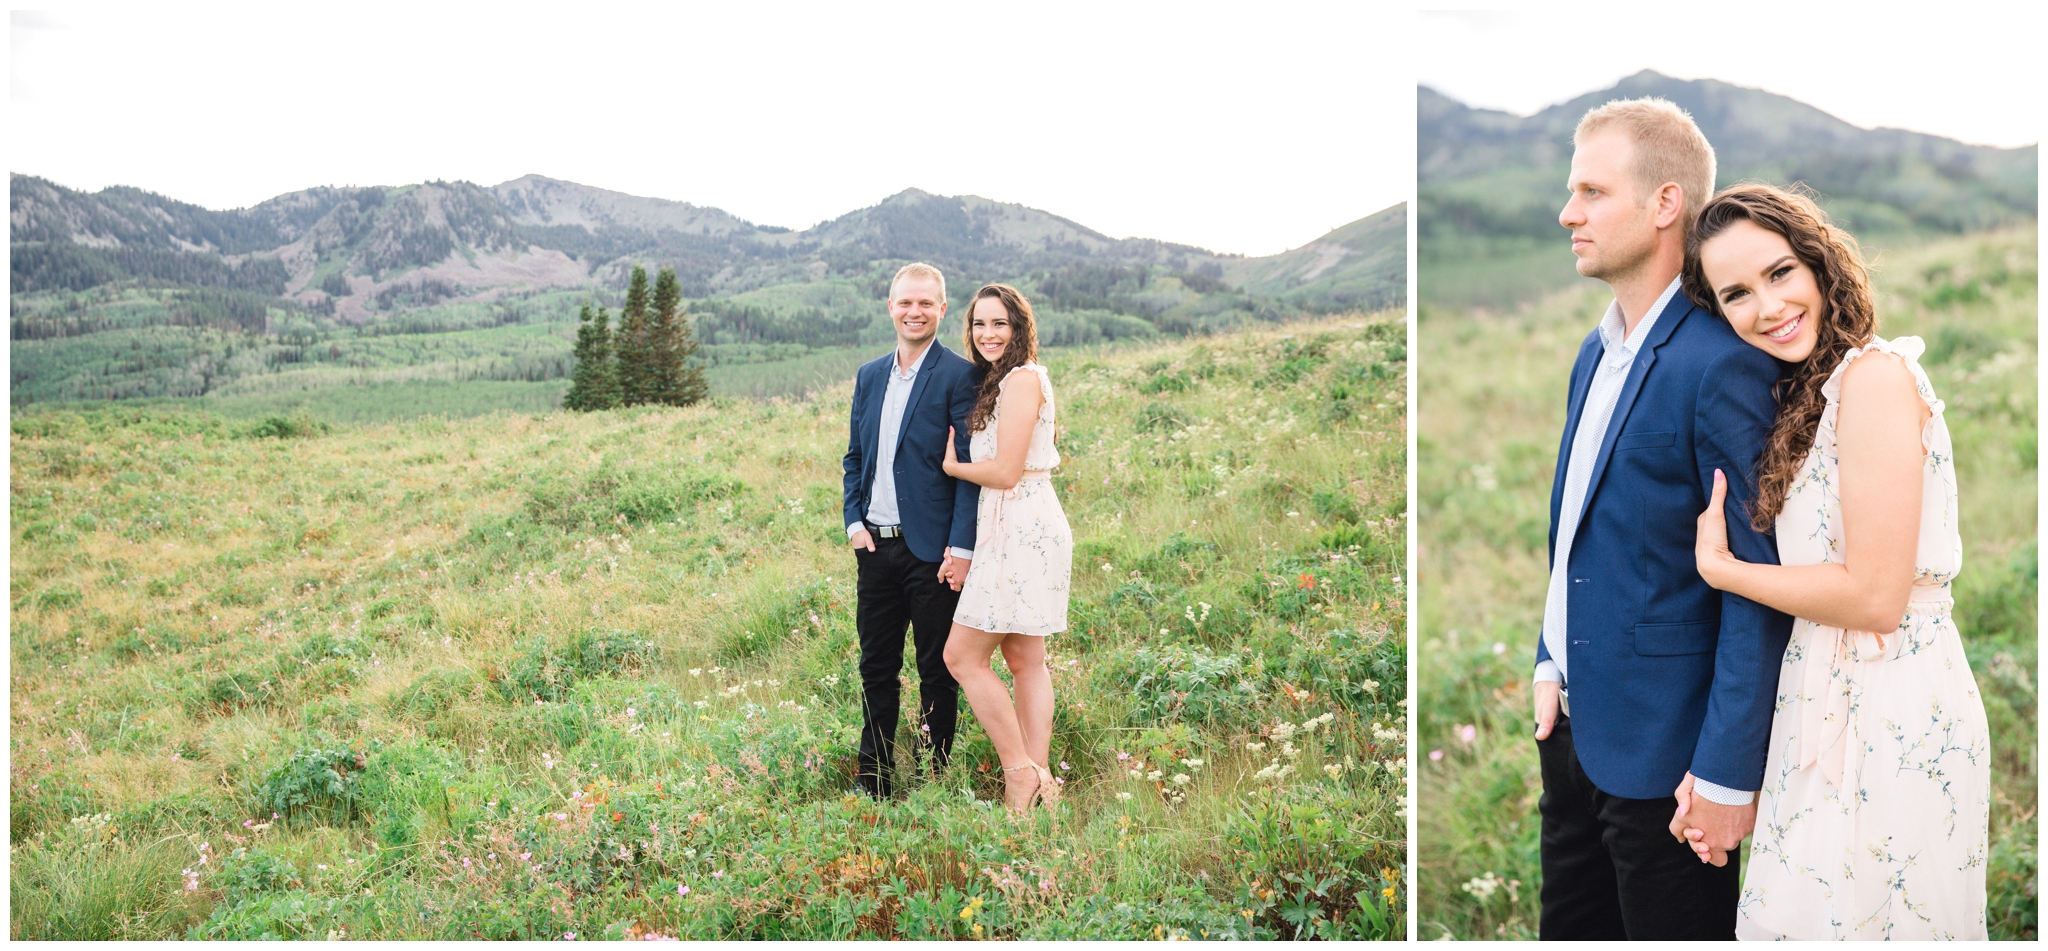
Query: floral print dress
point(1873, 818)
point(1023, 548)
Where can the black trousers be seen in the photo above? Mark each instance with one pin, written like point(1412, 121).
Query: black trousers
point(1612, 871)
point(896, 591)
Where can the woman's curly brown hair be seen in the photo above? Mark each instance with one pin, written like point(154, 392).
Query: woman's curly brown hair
point(1023, 348)
point(1850, 320)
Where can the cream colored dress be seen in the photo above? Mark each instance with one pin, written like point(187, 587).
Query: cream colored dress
point(1873, 820)
point(1023, 549)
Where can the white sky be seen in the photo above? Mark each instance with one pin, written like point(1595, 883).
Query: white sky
point(1229, 127)
point(1959, 70)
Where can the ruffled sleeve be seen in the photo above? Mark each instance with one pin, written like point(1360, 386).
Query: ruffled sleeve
point(1907, 349)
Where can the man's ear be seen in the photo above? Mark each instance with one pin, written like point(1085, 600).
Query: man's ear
point(1670, 204)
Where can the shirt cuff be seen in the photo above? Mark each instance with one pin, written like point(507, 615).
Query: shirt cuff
point(855, 528)
point(1721, 794)
point(964, 554)
point(1546, 671)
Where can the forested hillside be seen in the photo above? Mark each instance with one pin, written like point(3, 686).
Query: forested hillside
point(1490, 184)
point(125, 294)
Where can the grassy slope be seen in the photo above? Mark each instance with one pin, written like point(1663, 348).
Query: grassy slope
point(1499, 382)
point(521, 676)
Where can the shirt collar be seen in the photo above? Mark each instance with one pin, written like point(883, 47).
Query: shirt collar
point(1612, 325)
point(896, 366)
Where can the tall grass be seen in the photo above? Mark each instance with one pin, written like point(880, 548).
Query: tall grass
point(530, 675)
point(1498, 384)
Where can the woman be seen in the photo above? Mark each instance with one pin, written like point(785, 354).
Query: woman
point(1872, 821)
point(1016, 589)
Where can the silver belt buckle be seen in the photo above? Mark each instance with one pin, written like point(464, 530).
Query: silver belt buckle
point(888, 531)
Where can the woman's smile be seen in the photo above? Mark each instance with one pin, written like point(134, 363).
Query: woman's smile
point(990, 321)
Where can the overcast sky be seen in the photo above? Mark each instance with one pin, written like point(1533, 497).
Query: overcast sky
point(1951, 69)
point(1228, 126)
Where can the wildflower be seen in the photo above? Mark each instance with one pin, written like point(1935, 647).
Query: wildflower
point(1255, 747)
point(568, 936)
point(1306, 582)
point(696, 671)
point(525, 856)
point(1124, 796)
point(682, 889)
point(1499, 648)
point(1481, 887)
point(1063, 765)
point(1371, 686)
point(324, 868)
point(1154, 775)
point(1334, 769)
point(1123, 756)
point(561, 817)
point(1192, 763)
point(1181, 779)
point(718, 874)
point(1435, 755)
point(1467, 733)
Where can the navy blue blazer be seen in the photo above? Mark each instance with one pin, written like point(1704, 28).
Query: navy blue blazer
point(938, 510)
point(1666, 674)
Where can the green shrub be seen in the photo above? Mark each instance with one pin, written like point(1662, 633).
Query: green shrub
point(547, 672)
point(280, 427)
point(1176, 683)
point(320, 781)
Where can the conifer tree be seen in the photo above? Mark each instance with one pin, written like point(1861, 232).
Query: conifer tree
point(676, 381)
point(633, 344)
point(595, 384)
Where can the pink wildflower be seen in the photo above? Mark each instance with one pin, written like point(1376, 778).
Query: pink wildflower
point(1436, 754)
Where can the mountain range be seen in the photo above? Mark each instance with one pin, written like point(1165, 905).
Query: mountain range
point(426, 243)
point(123, 293)
point(1489, 184)
point(1486, 172)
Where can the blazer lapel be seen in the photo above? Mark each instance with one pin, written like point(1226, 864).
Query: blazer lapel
point(1575, 403)
point(871, 437)
point(1646, 357)
point(917, 386)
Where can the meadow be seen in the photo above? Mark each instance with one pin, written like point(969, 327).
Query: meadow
point(547, 675)
point(1498, 382)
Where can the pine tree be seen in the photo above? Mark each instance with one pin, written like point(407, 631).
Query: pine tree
point(633, 346)
point(676, 381)
point(595, 384)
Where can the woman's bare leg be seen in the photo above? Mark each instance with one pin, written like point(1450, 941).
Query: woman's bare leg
point(1025, 656)
point(967, 656)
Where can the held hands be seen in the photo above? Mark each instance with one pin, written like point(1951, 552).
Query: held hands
point(953, 571)
point(1710, 545)
point(1712, 830)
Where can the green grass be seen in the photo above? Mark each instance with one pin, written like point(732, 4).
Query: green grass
point(1498, 382)
point(520, 675)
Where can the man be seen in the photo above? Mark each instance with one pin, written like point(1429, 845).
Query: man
point(911, 525)
point(1649, 684)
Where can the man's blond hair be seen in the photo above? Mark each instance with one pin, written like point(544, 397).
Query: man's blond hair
point(919, 269)
point(1668, 148)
